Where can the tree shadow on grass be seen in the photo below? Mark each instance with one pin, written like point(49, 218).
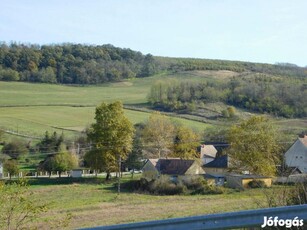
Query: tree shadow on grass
point(65, 181)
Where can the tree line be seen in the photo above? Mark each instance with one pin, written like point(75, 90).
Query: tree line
point(189, 64)
point(89, 64)
point(280, 96)
point(72, 63)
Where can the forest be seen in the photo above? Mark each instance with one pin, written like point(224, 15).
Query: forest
point(90, 64)
point(279, 96)
point(72, 63)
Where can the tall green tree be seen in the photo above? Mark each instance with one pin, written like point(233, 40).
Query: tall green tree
point(185, 143)
point(111, 135)
point(11, 167)
point(64, 161)
point(15, 148)
point(254, 146)
point(158, 133)
point(60, 162)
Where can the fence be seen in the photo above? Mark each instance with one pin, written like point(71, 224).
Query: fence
point(231, 220)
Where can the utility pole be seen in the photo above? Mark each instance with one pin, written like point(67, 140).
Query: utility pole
point(119, 171)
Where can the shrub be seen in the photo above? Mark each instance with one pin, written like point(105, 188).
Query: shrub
point(256, 184)
point(164, 186)
point(194, 182)
point(298, 195)
point(208, 189)
point(198, 185)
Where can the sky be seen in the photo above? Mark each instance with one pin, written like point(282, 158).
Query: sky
point(266, 31)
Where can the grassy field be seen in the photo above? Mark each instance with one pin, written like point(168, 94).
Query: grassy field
point(105, 207)
point(32, 109)
point(35, 120)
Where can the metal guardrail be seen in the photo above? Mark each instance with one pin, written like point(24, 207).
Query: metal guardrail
point(230, 220)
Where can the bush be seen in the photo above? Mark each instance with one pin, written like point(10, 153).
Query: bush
point(198, 185)
point(164, 186)
point(256, 184)
point(137, 185)
point(298, 194)
point(194, 182)
point(208, 189)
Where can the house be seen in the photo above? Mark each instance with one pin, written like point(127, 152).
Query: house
point(153, 168)
point(207, 153)
point(219, 165)
point(296, 156)
point(241, 181)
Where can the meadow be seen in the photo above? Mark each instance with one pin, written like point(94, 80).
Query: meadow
point(105, 207)
point(31, 109)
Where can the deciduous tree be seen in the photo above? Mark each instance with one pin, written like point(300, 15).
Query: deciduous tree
point(111, 135)
point(15, 148)
point(185, 143)
point(254, 146)
point(11, 167)
point(158, 133)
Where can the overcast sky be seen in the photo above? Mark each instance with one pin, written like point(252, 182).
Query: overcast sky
point(267, 31)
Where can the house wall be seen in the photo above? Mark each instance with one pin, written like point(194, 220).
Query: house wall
point(195, 169)
point(296, 156)
point(221, 171)
point(239, 182)
point(234, 182)
point(150, 171)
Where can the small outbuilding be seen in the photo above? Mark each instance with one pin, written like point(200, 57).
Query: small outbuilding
point(241, 181)
point(76, 173)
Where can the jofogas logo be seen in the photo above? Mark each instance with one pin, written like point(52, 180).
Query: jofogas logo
point(276, 222)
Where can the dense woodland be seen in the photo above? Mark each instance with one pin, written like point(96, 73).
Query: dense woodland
point(88, 64)
point(72, 64)
point(279, 96)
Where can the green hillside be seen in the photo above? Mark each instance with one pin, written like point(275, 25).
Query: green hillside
point(31, 109)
